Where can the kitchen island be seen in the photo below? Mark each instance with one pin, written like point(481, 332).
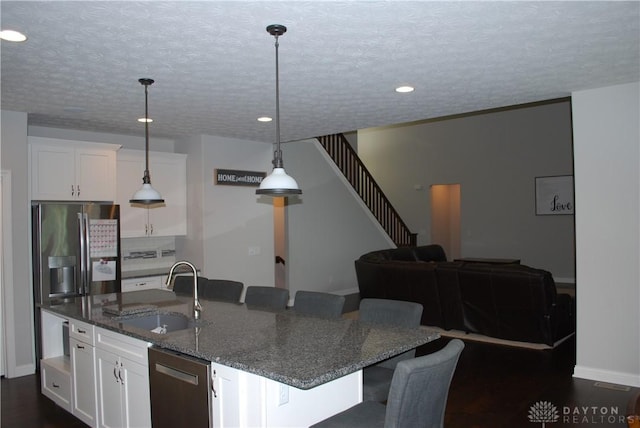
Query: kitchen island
point(272, 368)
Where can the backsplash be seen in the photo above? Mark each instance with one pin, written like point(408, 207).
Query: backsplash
point(148, 253)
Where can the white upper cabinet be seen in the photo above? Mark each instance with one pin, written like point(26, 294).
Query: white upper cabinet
point(168, 173)
point(63, 170)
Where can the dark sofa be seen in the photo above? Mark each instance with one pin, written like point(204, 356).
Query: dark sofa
point(506, 301)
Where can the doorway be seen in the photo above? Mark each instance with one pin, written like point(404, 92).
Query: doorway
point(445, 218)
point(280, 241)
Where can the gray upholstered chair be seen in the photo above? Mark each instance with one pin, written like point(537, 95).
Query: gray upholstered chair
point(266, 297)
point(221, 289)
point(417, 398)
point(318, 304)
point(183, 285)
point(397, 313)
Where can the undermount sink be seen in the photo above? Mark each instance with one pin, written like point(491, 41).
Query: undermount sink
point(166, 322)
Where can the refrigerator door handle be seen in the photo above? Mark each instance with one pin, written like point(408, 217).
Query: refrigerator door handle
point(84, 250)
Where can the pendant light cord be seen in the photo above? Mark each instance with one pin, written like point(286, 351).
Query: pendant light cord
point(146, 179)
point(277, 158)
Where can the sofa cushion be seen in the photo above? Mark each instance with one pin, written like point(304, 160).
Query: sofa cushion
point(430, 253)
point(403, 254)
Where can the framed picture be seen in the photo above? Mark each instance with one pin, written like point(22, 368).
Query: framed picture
point(554, 195)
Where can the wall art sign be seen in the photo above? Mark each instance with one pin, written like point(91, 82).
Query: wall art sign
point(235, 177)
point(554, 195)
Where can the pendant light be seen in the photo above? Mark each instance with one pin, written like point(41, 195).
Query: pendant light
point(147, 195)
point(278, 183)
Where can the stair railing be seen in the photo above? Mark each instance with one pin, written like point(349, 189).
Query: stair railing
point(348, 161)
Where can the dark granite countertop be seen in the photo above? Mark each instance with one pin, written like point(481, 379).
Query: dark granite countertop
point(296, 350)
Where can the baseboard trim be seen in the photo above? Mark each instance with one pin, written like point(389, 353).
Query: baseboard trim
point(609, 376)
point(23, 370)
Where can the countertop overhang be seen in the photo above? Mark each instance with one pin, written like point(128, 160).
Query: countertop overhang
point(289, 348)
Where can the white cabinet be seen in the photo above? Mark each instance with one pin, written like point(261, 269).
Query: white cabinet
point(66, 170)
point(55, 380)
point(147, 283)
point(169, 177)
point(244, 399)
point(83, 374)
point(55, 367)
point(122, 377)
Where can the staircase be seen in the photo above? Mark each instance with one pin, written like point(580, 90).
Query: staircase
point(363, 183)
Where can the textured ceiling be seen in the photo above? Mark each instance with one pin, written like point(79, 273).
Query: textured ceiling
point(214, 63)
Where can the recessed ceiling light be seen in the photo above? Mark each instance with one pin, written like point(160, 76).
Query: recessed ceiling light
point(12, 36)
point(144, 119)
point(264, 119)
point(404, 89)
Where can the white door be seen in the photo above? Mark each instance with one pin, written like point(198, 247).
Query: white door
point(84, 382)
point(136, 397)
point(109, 389)
point(445, 218)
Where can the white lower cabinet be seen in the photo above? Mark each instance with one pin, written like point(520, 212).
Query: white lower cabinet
point(137, 284)
point(243, 399)
point(122, 377)
point(56, 381)
point(84, 381)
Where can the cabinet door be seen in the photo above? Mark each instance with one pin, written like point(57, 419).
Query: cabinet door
point(52, 173)
point(133, 218)
point(169, 177)
point(95, 174)
point(136, 398)
point(109, 388)
point(84, 382)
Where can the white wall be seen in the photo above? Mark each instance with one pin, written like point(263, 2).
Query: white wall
point(495, 157)
point(329, 228)
point(20, 349)
point(607, 161)
point(233, 218)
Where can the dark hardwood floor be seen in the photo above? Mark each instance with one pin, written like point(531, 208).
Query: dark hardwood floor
point(494, 386)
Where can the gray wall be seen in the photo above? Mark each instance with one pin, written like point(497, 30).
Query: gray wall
point(18, 294)
point(328, 225)
point(607, 158)
point(495, 157)
point(225, 221)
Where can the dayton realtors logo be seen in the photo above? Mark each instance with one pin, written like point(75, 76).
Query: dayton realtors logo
point(545, 412)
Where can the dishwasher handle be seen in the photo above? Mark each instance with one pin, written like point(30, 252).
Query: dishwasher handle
point(177, 374)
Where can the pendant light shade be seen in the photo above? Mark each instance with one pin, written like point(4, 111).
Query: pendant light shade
point(278, 183)
point(147, 195)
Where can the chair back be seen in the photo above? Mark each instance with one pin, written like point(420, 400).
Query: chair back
point(420, 388)
point(318, 304)
point(266, 297)
point(183, 285)
point(397, 313)
point(221, 289)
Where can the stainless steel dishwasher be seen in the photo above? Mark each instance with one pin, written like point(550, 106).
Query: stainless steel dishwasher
point(180, 388)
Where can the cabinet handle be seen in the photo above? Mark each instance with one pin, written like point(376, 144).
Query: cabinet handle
point(78, 187)
point(55, 385)
point(213, 379)
point(115, 368)
point(81, 331)
point(80, 346)
point(72, 190)
point(151, 226)
point(146, 229)
point(120, 374)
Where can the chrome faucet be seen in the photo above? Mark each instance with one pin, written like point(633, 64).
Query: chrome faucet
point(197, 308)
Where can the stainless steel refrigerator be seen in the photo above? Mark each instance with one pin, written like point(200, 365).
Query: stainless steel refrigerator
point(76, 252)
point(76, 249)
